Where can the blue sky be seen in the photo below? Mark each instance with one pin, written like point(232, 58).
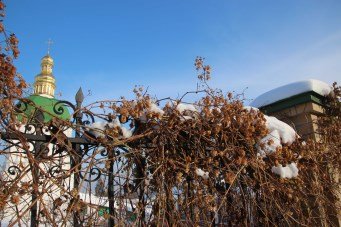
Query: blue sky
point(110, 46)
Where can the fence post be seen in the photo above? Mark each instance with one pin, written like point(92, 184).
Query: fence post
point(111, 188)
point(77, 157)
point(38, 120)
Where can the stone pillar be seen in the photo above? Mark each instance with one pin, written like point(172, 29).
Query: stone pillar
point(301, 112)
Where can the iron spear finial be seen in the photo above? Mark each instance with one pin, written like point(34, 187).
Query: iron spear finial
point(79, 96)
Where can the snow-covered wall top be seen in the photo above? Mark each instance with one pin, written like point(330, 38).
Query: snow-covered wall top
point(290, 90)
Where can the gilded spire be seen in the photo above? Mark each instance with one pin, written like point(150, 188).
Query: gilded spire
point(44, 83)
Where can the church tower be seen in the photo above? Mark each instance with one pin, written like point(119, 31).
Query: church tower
point(44, 84)
point(37, 110)
point(43, 96)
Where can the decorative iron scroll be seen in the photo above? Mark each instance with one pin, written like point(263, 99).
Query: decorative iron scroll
point(88, 115)
point(22, 105)
point(57, 154)
point(58, 107)
point(104, 152)
point(14, 171)
point(55, 170)
point(93, 175)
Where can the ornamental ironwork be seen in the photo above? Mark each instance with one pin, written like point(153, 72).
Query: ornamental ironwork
point(61, 159)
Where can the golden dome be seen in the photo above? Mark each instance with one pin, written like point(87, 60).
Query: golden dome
point(47, 60)
point(45, 83)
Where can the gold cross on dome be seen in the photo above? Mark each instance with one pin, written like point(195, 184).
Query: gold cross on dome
point(49, 43)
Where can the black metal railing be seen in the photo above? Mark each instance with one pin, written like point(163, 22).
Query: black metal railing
point(41, 134)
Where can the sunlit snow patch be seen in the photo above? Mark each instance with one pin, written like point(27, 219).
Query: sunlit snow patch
point(290, 90)
point(202, 173)
point(155, 109)
point(289, 171)
point(97, 129)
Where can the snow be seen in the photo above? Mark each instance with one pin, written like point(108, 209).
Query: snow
point(250, 108)
point(183, 108)
point(270, 147)
point(126, 132)
point(153, 108)
point(279, 133)
point(97, 129)
point(202, 173)
point(289, 171)
point(290, 90)
point(187, 111)
point(286, 133)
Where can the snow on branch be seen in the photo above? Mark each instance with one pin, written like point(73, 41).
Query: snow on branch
point(97, 129)
point(201, 173)
point(289, 171)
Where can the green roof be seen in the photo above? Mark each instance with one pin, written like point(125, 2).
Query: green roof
point(306, 97)
point(47, 106)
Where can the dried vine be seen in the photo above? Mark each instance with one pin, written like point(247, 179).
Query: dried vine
point(171, 163)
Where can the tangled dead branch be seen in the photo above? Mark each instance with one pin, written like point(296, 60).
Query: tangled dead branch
point(162, 162)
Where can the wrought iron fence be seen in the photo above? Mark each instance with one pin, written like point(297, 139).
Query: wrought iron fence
point(60, 154)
